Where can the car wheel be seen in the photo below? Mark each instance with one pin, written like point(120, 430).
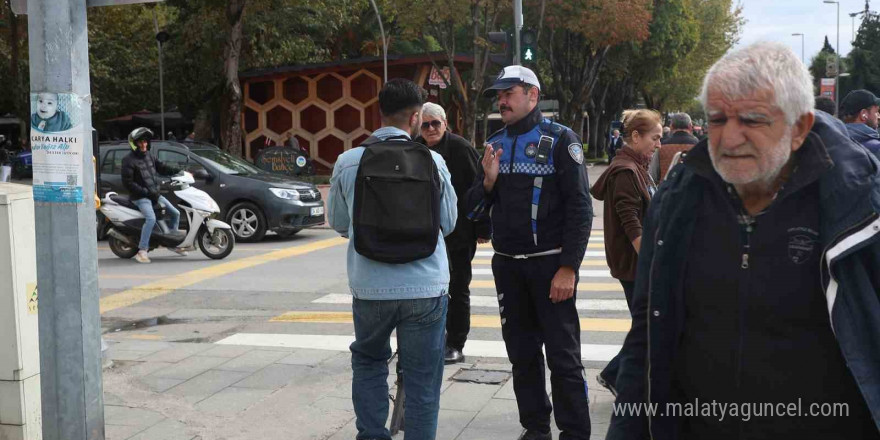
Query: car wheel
point(287, 233)
point(247, 221)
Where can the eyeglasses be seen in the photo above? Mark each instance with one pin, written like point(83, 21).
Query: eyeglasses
point(435, 123)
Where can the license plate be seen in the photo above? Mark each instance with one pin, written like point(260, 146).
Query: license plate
point(317, 211)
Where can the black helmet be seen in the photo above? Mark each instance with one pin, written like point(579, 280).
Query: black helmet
point(139, 134)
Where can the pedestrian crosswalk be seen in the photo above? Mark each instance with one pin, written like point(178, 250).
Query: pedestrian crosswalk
point(604, 315)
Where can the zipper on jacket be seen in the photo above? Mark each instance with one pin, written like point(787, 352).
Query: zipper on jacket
point(650, 314)
point(513, 154)
point(742, 301)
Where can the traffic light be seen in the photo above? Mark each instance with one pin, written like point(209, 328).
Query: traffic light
point(831, 67)
point(527, 40)
point(504, 39)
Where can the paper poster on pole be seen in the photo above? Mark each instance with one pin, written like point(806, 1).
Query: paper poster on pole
point(57, 144)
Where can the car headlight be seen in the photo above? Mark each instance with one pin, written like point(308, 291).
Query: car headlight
point(284, 193)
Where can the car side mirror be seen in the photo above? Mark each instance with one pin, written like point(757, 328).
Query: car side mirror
point(201, 174)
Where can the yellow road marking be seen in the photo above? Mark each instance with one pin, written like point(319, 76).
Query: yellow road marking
point(488, 262)
point(477, 321)
point(581, 287)
point(146, 337)
point(167, 285)
point(135, 277)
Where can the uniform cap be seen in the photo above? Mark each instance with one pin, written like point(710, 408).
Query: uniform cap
point(511, 76)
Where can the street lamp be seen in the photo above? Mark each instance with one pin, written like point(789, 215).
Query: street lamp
point(853, 16)
point(384, 41)
point(161, 37)
point(837, 73)
point(802, 45)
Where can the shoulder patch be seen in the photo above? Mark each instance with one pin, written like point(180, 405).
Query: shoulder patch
point(576, 151)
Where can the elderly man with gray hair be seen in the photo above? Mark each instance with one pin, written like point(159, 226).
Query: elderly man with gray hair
point(463, 162)
point(679, 141)
point(757, 301)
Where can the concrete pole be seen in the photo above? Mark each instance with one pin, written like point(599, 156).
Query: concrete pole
point(161, 78)
point(517, 27)
point(67, 269)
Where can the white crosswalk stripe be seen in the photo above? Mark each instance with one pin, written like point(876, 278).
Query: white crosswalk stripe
point(475, 348)
point(583, 273)
point(587, 254)
point(600, 307)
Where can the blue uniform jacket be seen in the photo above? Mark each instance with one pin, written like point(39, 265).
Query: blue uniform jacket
point(536, 205)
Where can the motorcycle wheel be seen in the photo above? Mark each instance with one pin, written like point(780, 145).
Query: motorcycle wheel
point(217, 245)
point(121, 249)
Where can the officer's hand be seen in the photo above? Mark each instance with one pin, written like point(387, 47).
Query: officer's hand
point(482, 240)
point(491, 162)
point(562, 286)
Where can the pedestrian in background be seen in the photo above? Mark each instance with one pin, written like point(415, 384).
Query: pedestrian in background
point(758, 280)
point(615, 145)
point(463, 163)
point(680, 141)
point(534, 189)
point(408, 297)
point(860, 109)
point(626, 188)
point(826, 104)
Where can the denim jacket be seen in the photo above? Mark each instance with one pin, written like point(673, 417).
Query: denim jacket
point(374, 280)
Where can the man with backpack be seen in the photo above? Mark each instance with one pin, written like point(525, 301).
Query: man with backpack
point(393, 198)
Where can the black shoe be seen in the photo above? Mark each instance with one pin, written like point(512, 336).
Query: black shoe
point(531, 434)
point(607, 385)
point(453, 356)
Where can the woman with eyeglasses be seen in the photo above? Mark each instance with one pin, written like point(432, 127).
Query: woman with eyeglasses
point(463, 162)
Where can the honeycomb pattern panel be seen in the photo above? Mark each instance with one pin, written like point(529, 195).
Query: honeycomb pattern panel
point(330, 89)
point(279, 119)
point(251, 120)
point(296, 90)
point(262, 92)
point(329, 148)
point(347, 118)
point(365, 87)
point(313, 119)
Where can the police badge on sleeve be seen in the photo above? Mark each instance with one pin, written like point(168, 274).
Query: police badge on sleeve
point(576, 151)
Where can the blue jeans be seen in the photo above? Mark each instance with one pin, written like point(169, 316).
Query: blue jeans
point(420, 325)
point(146, 207)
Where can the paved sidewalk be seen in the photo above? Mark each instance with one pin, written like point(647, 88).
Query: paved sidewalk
point(168, 391)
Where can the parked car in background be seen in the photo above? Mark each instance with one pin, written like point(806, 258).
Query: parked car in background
point(253, 201)
point(22, 165)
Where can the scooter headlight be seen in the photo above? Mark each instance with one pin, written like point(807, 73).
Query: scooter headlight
point(284, 193)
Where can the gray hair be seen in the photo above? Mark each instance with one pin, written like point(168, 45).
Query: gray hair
point(764, 66)
point(431, 109)
point(680, 121)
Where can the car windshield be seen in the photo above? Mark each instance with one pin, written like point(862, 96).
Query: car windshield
point(227, 163)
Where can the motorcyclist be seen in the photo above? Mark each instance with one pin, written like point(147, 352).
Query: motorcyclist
point(140, 176)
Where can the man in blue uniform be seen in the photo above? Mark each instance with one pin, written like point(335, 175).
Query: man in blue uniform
point(534, 189)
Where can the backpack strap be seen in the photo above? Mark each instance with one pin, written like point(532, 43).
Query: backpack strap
point(372, 140)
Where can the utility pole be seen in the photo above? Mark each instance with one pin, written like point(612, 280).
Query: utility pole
point(67, 268)
point(517, 27)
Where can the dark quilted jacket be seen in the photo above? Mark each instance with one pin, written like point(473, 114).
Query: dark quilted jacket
point(140, 175)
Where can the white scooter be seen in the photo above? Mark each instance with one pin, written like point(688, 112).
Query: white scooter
point(213, 236)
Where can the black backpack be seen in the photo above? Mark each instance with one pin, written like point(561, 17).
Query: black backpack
point(396, 201)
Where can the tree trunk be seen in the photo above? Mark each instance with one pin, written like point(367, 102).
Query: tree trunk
point(230, 125)
point(202, 125)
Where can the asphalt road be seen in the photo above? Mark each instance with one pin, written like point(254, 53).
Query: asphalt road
point(295, 291)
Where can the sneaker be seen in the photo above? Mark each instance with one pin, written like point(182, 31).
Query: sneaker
point(141, 257)
point(607, 385)
point(531, 434)
point(179, 251)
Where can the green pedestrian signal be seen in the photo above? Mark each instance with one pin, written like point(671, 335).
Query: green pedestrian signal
point(527, 49)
